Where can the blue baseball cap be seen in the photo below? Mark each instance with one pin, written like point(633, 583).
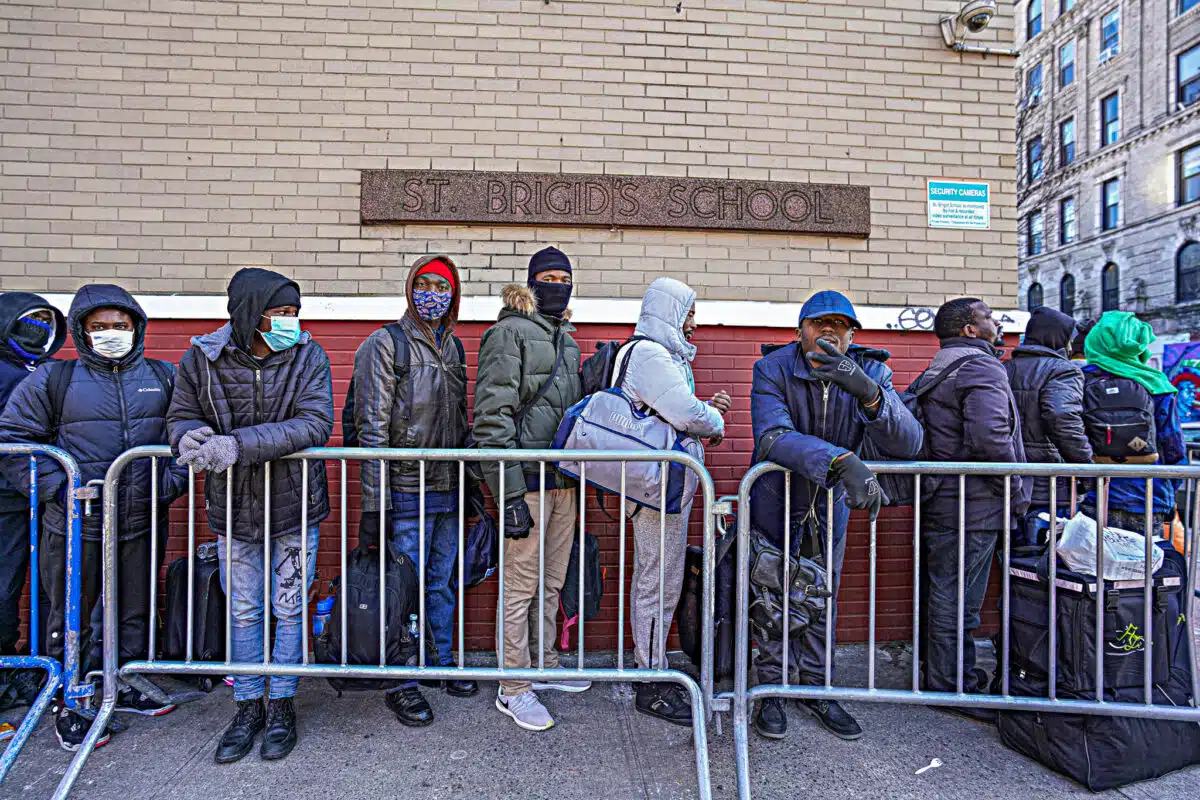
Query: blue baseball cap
point(828, 302)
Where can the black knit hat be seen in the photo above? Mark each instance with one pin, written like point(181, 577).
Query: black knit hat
point(546, 259)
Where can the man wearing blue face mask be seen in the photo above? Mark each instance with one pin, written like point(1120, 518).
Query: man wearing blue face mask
point(253, 391)
point(410, 390)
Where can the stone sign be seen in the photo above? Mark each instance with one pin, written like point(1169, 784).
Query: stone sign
point(623, 201)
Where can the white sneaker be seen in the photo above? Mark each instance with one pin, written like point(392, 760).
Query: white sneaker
point(526, 710)
point(562, 686)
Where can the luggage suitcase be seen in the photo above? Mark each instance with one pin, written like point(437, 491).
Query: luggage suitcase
point(208, 621)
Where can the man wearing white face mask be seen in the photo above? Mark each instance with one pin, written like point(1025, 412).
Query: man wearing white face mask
point(110, 399)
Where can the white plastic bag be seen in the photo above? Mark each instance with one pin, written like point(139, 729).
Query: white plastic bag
point(1124, 551)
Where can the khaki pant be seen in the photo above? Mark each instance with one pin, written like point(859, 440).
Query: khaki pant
point(520, 598)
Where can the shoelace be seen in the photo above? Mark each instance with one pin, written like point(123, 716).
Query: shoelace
point(247, 713)
point(281, 710)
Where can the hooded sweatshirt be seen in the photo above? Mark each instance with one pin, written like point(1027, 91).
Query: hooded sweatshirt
point(273, 406)
point(424, 406)
point(16, 367)
point(109, 407)
point(658, 374)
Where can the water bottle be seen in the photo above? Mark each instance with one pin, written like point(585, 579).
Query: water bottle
point(414, 628)
point(324, 609)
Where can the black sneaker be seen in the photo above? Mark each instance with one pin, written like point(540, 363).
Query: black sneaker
point(665, 701)
point(71, 728)
point(771, 720)
point(131, 701)
point(238, 739)
point(280, 737)
point(462, 688)
point(409, 707)
point(835, 718)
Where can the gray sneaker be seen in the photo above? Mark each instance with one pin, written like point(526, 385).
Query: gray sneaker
point(562, 686)
point(526, 710)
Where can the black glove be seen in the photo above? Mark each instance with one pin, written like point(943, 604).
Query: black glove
point(839, 369)
point(861, 485)
point(517, 521)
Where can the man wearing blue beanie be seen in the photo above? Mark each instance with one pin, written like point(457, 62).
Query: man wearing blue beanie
point(813, 403)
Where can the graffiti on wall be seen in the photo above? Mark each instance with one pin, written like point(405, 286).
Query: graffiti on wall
point(1181, 363)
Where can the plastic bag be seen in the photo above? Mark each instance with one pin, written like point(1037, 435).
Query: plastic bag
point(1124, 551)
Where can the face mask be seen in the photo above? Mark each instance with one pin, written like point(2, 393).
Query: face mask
point(432, 306)
point(112, 344)
point(553, 298)
point(284, 333)
point(31, 337)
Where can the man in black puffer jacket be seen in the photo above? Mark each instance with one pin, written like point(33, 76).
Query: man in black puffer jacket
point(1049, 392)
point(253, 391)
point(110, 400)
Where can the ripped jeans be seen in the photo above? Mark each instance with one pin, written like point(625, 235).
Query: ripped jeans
point(287, 603)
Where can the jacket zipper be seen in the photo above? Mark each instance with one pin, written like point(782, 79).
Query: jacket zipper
point(812, 496)
point(258, 401)
point(128, 511)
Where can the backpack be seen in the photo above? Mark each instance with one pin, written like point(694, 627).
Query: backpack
point(481, 545)
point(59, 381)
point(900, 488)
point(596, 372)
point(690, 616)
point(208, 609)
point(361, 636)
point(401, 356)
point(593, 586)
point(1118, 415)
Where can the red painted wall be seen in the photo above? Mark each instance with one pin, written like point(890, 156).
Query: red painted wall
point(725, 360)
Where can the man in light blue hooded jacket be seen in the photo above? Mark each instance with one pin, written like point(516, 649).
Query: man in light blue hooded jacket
point(658, 377)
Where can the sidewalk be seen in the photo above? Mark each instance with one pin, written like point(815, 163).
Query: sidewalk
point(352, 748)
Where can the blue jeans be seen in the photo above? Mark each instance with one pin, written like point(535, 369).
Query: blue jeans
point(288, 602)
point(441, 560)
point(939, 596)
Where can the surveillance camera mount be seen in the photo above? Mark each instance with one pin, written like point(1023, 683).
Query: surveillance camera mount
point(954, 39)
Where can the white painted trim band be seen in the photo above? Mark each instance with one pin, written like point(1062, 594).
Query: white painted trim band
point(596, 310)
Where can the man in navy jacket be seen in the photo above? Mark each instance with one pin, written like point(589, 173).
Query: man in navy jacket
point(813, 404)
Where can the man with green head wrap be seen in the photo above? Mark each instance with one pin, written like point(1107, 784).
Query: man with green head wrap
point(1118, 352)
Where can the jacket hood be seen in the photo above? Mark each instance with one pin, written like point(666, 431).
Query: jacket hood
point(211, 344)
point(955, 349)
point(1049, 328)
point(1036, 350)
point(249, 292)
point(105, 295)
point(521, 300)
point(665, 306)
point(451, 318)
point(15, 304)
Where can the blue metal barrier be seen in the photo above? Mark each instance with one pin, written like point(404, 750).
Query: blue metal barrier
point(66, 675)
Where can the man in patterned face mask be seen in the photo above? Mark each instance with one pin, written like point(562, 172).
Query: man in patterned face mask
point(410, 390)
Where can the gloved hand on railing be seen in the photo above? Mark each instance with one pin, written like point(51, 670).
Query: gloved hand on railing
point(841, 370)
point(517, 519)
point(192, 441)
point(861, 485)
point(217, 454)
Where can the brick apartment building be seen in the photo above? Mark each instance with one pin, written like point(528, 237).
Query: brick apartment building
point(163, 144)
point(1108, 137)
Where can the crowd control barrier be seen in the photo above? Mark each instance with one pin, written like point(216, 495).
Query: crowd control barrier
point(63, 675)
point(700, 695)
point(743, 696)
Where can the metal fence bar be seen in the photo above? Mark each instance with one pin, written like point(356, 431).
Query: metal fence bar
point(153, 557)
point(1147, 592)
point(1004, 590)
point(1052, 623)
point(1101, 524)
point(787, 575)
point(620, 574)
point(191, 562)
point(916, 642)
point(962, 582)
point(582, 560)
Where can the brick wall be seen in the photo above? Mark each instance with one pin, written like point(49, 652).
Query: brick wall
point(164, 143)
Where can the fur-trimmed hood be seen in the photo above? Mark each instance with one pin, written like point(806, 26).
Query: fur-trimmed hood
point(522, 300)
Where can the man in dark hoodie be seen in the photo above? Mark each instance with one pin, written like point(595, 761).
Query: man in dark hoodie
point(110, 400)
point(971, 416)
point(251, 392)
point(31, 332)
point(424, 407)
point(1049, 392)
point(528, 378)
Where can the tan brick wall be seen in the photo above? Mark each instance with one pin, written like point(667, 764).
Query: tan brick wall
point(165, 143)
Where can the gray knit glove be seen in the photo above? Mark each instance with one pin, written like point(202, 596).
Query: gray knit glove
point(217, 454)
point(192, 441)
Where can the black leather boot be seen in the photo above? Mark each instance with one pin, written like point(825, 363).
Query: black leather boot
point(410, 707)
point(280, 737)
point(239, 736)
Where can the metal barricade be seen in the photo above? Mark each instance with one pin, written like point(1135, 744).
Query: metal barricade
point(700, 697)
point(63, 675)
point(743, 696)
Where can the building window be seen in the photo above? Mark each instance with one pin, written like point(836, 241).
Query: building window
point(1065, 6)
point(1066, 295)
point(1033, 85)
point(1066, 141)
point(1110, 35)
point(1066, 63)
point(1068, 228)
point(1187, 75)
point(1033, 18)
point(1110, 198)
point(1033, 158)
point(1110, 290)
point(1037, 234)
point(1187, 5)
point(1187, 189)
point(1034, 298)
point(1187, 273)
point(1110, 119)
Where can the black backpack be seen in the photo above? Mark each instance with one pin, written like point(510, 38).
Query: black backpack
point(400, 361)
point(1118, 414)
point(596, 372)
point(593, 586)
point(59, 381)
point(208, 611)
point(362, 618)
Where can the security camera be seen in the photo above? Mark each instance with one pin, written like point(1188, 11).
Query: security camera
point(974, 16)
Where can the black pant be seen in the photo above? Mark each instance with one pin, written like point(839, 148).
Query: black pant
point(133, 597)
point(14, 563)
